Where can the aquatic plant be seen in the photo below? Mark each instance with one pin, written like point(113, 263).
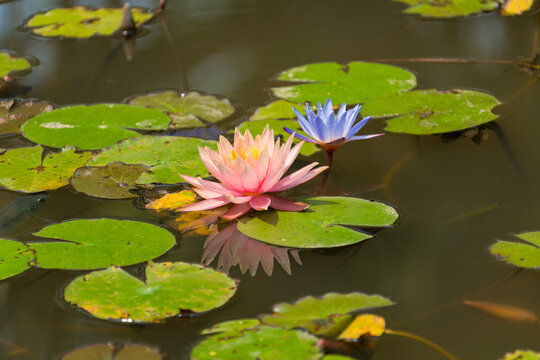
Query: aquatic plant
point(250, 173)
point(329, 130)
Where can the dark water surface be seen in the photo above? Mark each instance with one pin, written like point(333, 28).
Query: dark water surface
point(428, 263)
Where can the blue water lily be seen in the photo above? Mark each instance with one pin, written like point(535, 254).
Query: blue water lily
point(328, 130)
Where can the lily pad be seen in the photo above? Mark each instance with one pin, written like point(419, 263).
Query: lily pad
point(98, 243)
point(82, 22)
point(14, 113)
point(320, 315)
point(92, 127)
point(187, 110)
point(167, 156)
point(354, 83)
point(21, 169)
point(261, 343)
point(112, 351)
point(424, 112)
point(364, 326)
point(336, 357)
point(15, 257)
point(515, 7)
point(448, 8)
point(11, 64)
point(172, 201)
point(323, 222)
point(232, 326)
point(522, 355)
point(112, 181)
point(519, 254)
point(169, 289)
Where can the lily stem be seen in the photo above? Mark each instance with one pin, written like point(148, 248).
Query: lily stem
point(330, 155)
point(424, 341)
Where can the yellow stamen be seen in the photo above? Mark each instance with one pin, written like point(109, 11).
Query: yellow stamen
point(234, 154)
point(255, 152)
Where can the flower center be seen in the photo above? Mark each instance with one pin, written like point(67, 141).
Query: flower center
point(255, 152)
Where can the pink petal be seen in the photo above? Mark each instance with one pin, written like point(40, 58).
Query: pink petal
point(280, 203)
point(239, 199)
point(260, 202)
point(206, 194)
point(236, 211)
point(297, 178)
point(206, 204)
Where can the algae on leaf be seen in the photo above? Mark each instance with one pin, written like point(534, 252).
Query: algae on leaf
point(448, 8)
point(82, 21)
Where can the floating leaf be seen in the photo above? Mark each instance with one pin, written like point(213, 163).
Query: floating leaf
point(92, 127)
point(522, 355)
point(169, 289)
point(187, 110)
point(167, 156)
point(448, 8)
point(423, 112)
point(364, 326)
point(232, 326)
point(99, 243)
point(519, 254)
point(172, 201)
point(354, 83)
point(21, 169)
point(324, 315)
point(336, 357)
point(505, 312)
point(82, 22)
point(15, 113)
point(515, 7)
point(112, 181)
point(112, 351)
point(15, 257)
point(11, 64)
point(322, 221)
point(278, 110)
point(261, 343)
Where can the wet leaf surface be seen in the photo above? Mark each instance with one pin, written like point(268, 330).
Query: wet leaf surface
point(92, 127)
point(81, 21)
point(10, 64)
point(262, 343)
point(21, 169)
point(515, 7)
point(423, 112)
point(98, 243)
point(169, 288)
point(15, 257)
point(353, 83)
point(505, 312)
point(113, 351)
point(172, 201)
point(232, 326)
point(187, 110)
point(525, 254)
point(323, 222)
point(364, 326)
point(167, 157)
point(448, 8)
point(14, 113)
point(113, 181)
point(327, 315)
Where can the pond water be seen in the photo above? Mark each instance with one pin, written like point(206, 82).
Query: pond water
point(454, 198)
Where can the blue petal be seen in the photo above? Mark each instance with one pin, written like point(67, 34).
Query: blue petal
point(319, 130)
point(337, 128)
point(299, 136)
point(309, 112)
point(303, 122)
point(320, 110)
point(350, 118)
point(328, 109)
point(364, 137)
point(356, 128)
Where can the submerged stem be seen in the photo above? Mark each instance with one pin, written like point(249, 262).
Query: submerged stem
point(424, 341)
point(330, 156)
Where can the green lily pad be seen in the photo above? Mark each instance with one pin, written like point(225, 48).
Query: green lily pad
point(424, 112)
point(322, 221)
point(21, 169)
point(257, 127)
point(15, 257)
point(112, 181)
point(336, 357)
point(14, 113)
point(519, 254)
point(112, 351)
point(10, 64)
point(167, 157)
point(98, 243)
point(278, 110)
point(187, 110)
point(232, 326)
point(327, 315)
point(448, 8)
point(82, 22)
point(92, 127)
point(169, 289)
point(354, 83)
point(262, 343)
point(522, 355)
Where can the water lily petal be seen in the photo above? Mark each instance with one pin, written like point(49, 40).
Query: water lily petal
point(206, 204)
point(304, 124)
point(356, 128)
point(260, 202)
point(299, 136)
point(298, 177)
point(236, 211)
point(364, 137)
point(283, 204)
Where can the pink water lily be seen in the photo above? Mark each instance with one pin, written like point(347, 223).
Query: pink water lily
point(250, 174)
